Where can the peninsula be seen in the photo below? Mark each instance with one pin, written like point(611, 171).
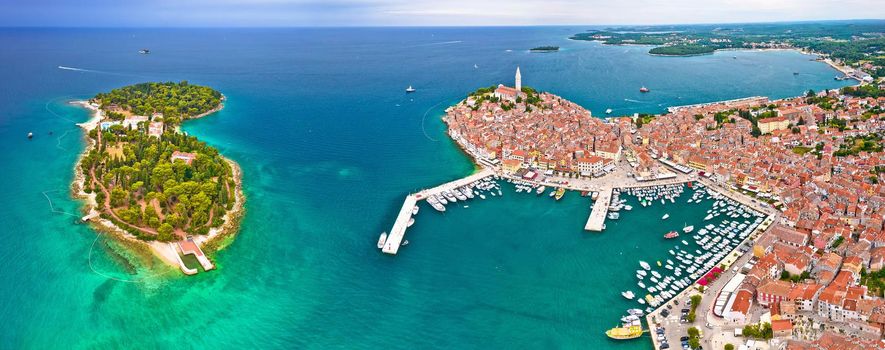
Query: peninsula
point(797, 183)
point(146, 181)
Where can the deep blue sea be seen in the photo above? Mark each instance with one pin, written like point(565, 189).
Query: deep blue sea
point(329, 144)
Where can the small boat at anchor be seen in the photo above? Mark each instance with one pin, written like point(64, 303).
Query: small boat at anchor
point(628, 294)
point(382, 239)
point(671, 234)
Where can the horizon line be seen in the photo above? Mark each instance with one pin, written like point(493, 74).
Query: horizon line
point(435, 26)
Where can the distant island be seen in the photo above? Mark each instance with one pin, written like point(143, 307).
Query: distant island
point(545, 49)
point(856, 44)
point(146, 181)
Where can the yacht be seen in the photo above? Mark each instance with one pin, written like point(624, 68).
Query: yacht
point(688, 229)
point(665, 216)
point(382, 239)
point(628, 294)
point(644, 265)
point(541, 190)
point(410, 89)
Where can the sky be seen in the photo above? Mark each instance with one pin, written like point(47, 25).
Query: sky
point(283, 13)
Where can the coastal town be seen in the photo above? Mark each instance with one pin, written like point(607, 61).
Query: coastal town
point(806, 274)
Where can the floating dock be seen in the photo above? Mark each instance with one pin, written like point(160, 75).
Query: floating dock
point(398, 231)
point(596, 221)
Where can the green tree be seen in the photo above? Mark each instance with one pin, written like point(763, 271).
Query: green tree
point(729, 346)
point(164, 232)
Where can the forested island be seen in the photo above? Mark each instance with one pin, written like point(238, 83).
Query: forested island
point(545, 49)
point(147, 178)
point(855, 43)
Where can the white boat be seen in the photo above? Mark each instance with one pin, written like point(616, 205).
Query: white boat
point(630, 318)
point(410, 89)
point(656, 274)
point(665, 216)
point(406, 242)
point(644, 265)
point(415, 210)
point(608, 111)
point(641, 285)
point(541, 190)
point(382, 239)
point(411, 222)
point(641, 272)
point(635, 312)
point(688, 229)
point(628, 294)
point(628, 207)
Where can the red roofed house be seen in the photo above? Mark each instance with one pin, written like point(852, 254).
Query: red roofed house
point(782, 328)
point(768, 125)
point(773, 291)
point(740, 308)
point(188, 158)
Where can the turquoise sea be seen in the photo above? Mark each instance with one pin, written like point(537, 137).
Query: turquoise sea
point(329, 144)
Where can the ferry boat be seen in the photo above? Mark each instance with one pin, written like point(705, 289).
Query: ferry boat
point(628, 294)
point(665, 216)
point(382, 239)
point(644, 89)
point(623, 333)
point(410, 89)
point(559, 193)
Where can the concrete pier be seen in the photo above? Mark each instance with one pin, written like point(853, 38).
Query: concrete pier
point(596, 221)
point(398, 231)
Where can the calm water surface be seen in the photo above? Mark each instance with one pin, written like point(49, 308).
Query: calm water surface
point(329, 144)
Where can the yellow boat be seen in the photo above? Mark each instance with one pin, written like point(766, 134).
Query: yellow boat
point(559, 193)
point(622, 333)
